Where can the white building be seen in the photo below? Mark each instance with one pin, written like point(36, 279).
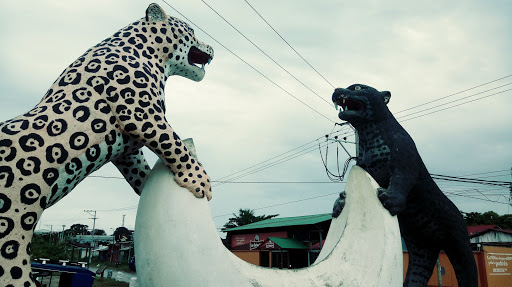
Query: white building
point(489, 234)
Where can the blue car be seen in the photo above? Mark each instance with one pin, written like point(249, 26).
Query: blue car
point(65, 276)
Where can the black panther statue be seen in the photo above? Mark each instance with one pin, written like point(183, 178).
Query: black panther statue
point(429, 221)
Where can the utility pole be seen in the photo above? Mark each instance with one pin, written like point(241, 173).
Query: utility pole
point(123, 220)
point(51, 232)
point(510, 195)
point(63, 226)
point(93, 226)
point(439, 273)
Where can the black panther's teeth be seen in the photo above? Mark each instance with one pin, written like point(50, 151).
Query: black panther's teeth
point(348, 104)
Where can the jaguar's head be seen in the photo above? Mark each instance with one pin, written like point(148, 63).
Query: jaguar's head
point(184, 54)
point(360, 103)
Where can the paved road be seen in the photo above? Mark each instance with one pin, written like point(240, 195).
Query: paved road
point(118, 275)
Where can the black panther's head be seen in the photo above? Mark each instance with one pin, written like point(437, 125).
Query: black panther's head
point(360, 103)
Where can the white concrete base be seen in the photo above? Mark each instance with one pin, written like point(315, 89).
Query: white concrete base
point(177, 244)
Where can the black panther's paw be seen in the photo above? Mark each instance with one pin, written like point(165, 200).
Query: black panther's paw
point(339, 204)
point(392, 201)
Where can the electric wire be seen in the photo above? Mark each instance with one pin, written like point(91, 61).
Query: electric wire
point(283, 203)
point(495, 171)
point(327, 81)
point(278, 182)
point(251, 66)
point(446, 108)
point(282, 160)
point(471, 180)
point(478, 198)
point(317, 111)
point(451, 95)
point(264, 53)
point(329, 194)
point(303, 149)
point(306, 61)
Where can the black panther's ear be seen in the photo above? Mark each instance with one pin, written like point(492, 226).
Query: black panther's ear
point(155, 13)
point(386, 96)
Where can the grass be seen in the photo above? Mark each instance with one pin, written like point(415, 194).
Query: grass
point(108, 282)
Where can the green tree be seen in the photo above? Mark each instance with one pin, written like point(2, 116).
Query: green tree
point(77, 229)
point(472, 218)
point(43, 247)
point(245, 216)
point(490, 217)
point(99, 232)
point(505, 221)
point(121, 232)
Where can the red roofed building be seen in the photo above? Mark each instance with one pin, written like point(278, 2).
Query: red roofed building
point(478, 228)
point(490, 235)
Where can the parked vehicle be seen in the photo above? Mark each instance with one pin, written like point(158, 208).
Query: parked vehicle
point(64, 276)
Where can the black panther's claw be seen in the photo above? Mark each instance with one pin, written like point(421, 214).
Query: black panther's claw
point(339, 204)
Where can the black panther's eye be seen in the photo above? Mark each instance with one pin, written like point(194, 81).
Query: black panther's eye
point(357, 88)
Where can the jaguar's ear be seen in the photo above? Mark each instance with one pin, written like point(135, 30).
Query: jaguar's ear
point(155, 13)
point(386, 96)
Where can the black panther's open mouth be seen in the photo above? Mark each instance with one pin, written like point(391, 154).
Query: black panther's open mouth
point(198, 58)
point(348, 104)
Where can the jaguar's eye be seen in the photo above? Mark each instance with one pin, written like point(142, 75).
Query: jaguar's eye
point(357, 88)
point(191, 30)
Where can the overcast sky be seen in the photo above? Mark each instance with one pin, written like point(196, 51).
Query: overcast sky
point(419, 50)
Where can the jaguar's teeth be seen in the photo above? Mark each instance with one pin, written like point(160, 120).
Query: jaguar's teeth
point(335, 105)
point(202, 66)
point(344, 100)
point(209, 61)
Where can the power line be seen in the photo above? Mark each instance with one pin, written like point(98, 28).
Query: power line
point(281, 182)
point(329, 194)
point(436, 111)
point(495, 171)
point(301, 152)
point(432, 111)
point(251, 66)
point(304, 147)
point(293, 156)
point(470, 180)
point(121, 208)
point(264, 53)
point(478, 198)
point(451, 95)
point(300, 100)
point(278, 159)
point(283, 203)
point(288, 43)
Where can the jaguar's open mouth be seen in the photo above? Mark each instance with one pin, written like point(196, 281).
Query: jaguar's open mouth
point(198, 58)
point(348, 104)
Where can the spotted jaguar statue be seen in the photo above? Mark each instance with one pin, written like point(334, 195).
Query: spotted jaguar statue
point(103, 108)
point(429, 221)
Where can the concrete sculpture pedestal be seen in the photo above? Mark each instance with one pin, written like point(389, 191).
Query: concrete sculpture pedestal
point(177, 244)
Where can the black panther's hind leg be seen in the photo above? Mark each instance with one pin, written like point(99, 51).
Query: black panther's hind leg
point(463, 262)
point(421, 264)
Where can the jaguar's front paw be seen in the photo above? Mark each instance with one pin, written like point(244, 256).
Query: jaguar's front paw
point(339, 204)
point(199, 185)
point(392, 201)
